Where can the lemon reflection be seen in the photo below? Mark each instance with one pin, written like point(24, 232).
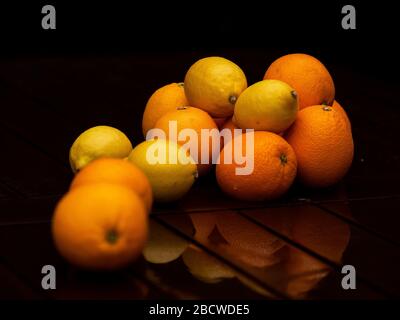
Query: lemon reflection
point(163, 246)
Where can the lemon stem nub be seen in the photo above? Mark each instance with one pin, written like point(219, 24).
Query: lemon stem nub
point(283, 158)
point(112, 236)
point(180, 84)
point(232, 99)
point(294, 94)
point(326, 108)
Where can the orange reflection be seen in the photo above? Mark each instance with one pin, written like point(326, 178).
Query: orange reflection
point(261, 253)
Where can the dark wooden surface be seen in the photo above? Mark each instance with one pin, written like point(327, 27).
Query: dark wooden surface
point(47, 101)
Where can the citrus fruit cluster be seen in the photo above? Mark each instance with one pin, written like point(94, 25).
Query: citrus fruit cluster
point(299, 131)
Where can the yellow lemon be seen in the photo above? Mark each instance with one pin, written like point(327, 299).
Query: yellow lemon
point(96, 142)
point(169, 168)
point(214, 85)
point(268, 105)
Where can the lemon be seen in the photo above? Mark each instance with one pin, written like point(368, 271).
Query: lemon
point(96, 142)
point(169, 168)
point(269, 105)
point(214, 85)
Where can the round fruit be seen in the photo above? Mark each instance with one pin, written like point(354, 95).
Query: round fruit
point(116, 171)
point(339, 108)
point(163, 100)
point(230, 125)
point(214, 84)
point(169, 168)
point(269, 105)
point(220, 122)
point(274, 167)
point(323, 144)
point(100, 226)
point(225, 136)
point(197, 120)
point(307, 75)
point(96, 142)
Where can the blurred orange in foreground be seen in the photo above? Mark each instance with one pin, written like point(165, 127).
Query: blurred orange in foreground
point(100, 226)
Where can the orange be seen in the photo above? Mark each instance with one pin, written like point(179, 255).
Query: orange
point(163, 100)
point(339, 108)
point(229, 125)
point(100, 226)
point(307, 75)
point(116, 171)
point(220, 122)
point(196, 119)
point(274, 168)
point(323, 144)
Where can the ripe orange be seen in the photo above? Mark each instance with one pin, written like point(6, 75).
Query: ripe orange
point(220, 122)
point(116, 171)
point(229, 125)
point(339, 108)
point(100, 226)
point(274, 168)
point(196, 119)
point(163, 100)
point(307, 75)
point(323, 144)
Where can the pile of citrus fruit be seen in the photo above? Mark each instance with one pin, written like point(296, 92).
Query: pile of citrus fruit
point(291, 120)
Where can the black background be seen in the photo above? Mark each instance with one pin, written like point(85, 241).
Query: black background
point(209, 27)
